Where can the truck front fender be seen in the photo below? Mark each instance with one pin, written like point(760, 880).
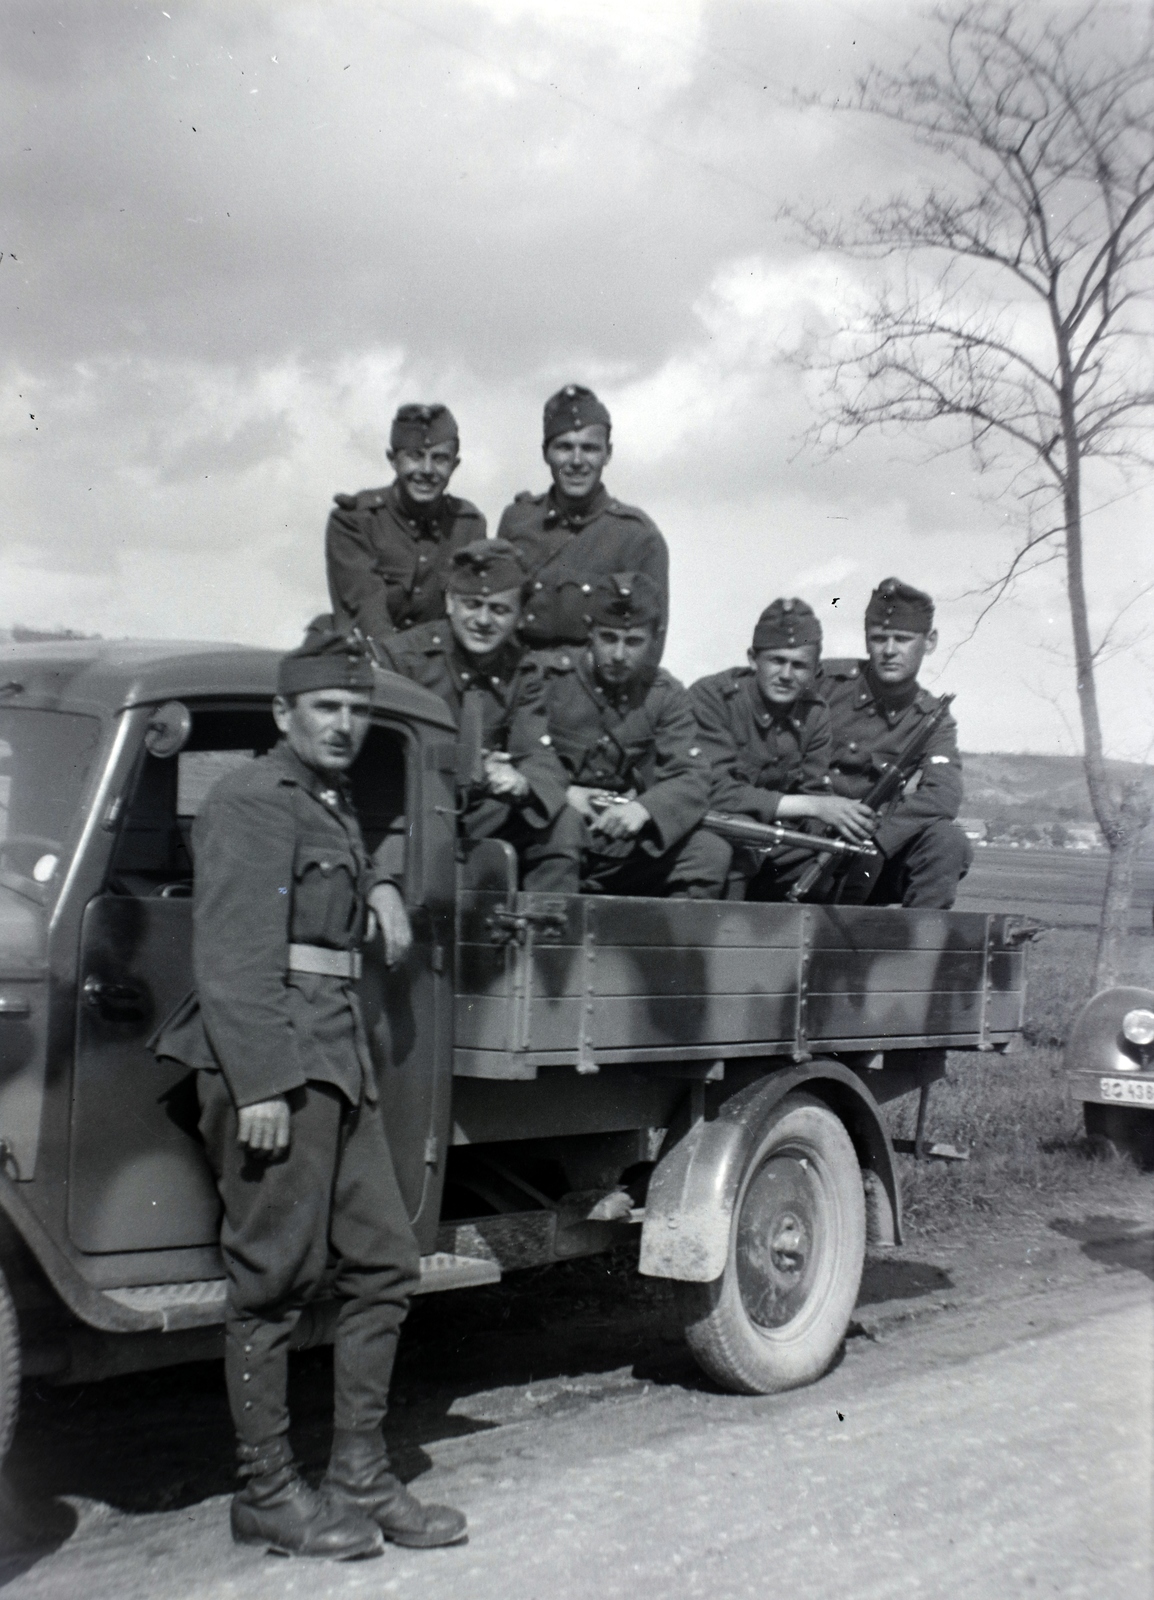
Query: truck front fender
point(693, 1190)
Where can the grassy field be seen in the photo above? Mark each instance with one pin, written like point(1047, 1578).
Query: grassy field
point(1028, 1152)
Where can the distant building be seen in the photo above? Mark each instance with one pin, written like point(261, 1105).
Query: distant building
point(974, 828)
point(1084, 836)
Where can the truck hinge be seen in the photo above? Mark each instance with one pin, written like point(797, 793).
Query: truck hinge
point(984, 1009)
point(432, 1150)
point(438, 958)
point(586, 1062)
point(801, 1050)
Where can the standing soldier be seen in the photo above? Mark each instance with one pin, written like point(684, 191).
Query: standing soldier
point(289, 1112)
point(766, 732)
point(387, 551)
point(576, 532)
point(624, 730)
point(475, 651)
point(875, 705)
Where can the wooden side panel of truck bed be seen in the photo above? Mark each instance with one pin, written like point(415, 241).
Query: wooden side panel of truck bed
point(595, 980)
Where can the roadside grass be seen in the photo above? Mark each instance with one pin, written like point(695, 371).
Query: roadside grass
point(1015, 1115)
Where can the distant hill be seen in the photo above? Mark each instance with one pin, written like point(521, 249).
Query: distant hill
point(1027, 789)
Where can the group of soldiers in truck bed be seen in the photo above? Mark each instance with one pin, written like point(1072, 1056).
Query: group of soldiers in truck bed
point(599, 766)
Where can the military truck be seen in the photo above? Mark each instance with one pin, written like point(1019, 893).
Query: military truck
point(555, 1071)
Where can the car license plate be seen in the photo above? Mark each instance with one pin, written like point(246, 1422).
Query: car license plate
point(1126, 1089)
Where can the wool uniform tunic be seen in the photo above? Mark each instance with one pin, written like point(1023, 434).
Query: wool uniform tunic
point(869, 730)
point(926, 854)
point(387, 567)
point(640, 739)
point(565, 552)
point(279, 861)
point(757, 752)
point(513, 720)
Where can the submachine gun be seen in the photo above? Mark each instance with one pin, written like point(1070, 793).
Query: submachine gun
point(765, 837)
point(825, 877)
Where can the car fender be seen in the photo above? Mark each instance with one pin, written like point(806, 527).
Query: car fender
point(1096, 1045)
point(693, 1190)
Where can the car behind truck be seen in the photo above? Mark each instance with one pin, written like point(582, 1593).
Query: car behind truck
point(555, 1071)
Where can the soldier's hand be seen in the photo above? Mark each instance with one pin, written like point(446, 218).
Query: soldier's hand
point(502, 777)
point(581, 799)
point(622, 822)
point(265, 1126)
point(393, 921)
point(852, 819)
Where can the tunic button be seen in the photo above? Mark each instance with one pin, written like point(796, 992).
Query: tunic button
point(538, 586)
point(853, 744)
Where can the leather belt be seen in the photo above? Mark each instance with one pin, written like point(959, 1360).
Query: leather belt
point(325, 962)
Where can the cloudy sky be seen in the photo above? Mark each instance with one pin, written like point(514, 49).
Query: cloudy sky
point(235, 234)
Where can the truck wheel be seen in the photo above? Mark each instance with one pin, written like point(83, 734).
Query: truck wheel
point(9, 1367)
point(1121, 1130)
point(778, 1314)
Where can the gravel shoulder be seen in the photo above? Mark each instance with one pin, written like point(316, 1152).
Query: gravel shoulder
point(992, 1405)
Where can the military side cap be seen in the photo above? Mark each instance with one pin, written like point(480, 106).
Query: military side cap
point(487, 566)
point(786, 624)
point(895, 604)
point(573, 407)
point(624, 600)
point(327, 659)
point(419, 427)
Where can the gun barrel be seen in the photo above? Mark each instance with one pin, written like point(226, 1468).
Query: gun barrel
point(769, 835)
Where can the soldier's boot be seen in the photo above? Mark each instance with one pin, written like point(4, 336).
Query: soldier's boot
point(359, 1477)
point(278, 1509)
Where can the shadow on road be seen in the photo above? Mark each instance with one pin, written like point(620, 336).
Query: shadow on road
point(1112, 1241)
point(900, 1280)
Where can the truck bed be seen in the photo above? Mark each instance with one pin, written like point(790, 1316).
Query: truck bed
point(590, 981)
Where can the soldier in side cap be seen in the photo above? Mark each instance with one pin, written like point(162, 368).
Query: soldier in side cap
point(289, 1111)
point(476, 652)
point(576, 531)
point(874, 706)
point(624, 730)
point(387, 551)
point(766, 732)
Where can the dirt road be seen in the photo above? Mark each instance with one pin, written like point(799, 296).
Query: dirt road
point(987, 1433)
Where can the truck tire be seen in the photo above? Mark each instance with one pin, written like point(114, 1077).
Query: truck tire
point(776, 1317)
point(9, 1367)
point(1121, 1130)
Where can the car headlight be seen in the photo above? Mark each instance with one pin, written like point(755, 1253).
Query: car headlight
point(1138, 1026)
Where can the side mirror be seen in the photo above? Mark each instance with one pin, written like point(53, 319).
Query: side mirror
point(168, 730)
point(471, 743)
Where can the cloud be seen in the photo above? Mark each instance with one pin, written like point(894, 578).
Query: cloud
point(236, 237)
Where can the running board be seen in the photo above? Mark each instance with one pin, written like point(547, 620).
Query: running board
point(169, 1307)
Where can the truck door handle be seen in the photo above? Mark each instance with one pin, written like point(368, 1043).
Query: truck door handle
point(123, 1001)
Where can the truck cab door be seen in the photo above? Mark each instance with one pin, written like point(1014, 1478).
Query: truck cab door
point(138, 1179)
point(408, 1011)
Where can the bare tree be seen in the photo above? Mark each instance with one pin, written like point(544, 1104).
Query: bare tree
point(1022, 312)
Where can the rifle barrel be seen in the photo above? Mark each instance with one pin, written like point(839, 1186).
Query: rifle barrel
point(769, 835)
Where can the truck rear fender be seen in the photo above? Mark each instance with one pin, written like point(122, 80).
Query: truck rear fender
point(692, 1193)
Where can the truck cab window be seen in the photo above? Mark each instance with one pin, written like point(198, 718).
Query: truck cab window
point(153, 853)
